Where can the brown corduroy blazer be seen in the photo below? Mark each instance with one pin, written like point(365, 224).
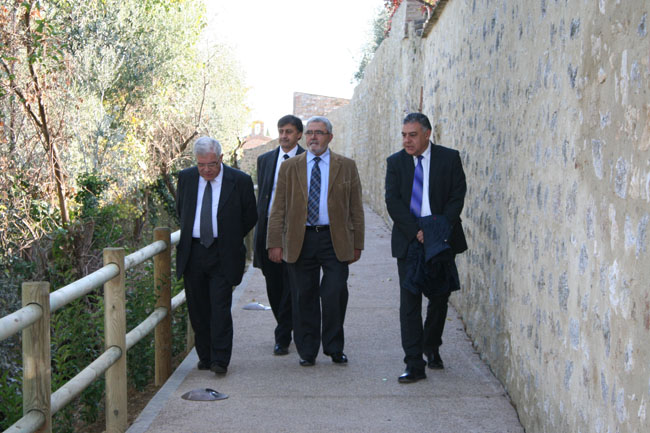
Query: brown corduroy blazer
point(288, 217)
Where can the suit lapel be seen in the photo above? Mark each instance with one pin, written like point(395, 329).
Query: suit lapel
point(434, 163)
point(227, 187)
point(272, 163)
point(301, 166)
point(335, 166)
point(192, 196)
point(408, 168)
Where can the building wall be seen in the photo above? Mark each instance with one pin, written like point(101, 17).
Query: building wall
point(306, 105)
point(547, 102)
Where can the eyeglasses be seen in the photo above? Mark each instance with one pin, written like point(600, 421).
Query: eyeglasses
point(207, 165)
point(316, 132)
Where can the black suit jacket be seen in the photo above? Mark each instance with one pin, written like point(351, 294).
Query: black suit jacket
point(236, 216)
point(266, 164)
point(447, 190)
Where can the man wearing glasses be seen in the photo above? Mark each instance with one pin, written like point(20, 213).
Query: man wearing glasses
point(317, 223)
point(275, 274)
point(216, 207)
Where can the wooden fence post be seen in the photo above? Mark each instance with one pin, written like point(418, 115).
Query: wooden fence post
point(115, 330)
point(163, 287)
point(37, 367)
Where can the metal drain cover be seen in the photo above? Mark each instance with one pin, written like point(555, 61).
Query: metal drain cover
point(204, 394)
point(256, 306)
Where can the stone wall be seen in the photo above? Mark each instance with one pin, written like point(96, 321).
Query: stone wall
point(306, 105)
point(547, 101)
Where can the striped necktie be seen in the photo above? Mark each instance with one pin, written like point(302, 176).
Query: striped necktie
point(313, 200)
point(416, 193)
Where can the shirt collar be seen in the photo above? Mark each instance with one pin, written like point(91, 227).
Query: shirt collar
point(291, 153)
point(325, 157)
point(426, 154)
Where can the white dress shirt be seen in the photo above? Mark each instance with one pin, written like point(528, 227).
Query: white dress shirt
point(216, 193)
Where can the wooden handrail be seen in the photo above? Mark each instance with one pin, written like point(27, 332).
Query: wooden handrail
point(21, 319)
point(34, 320)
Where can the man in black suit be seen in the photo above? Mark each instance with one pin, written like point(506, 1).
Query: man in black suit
point(423, 179)
point(277, 280)
point(216, 207)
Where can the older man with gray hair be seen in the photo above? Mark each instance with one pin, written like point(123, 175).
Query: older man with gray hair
point(216, 207)
point(317, 223)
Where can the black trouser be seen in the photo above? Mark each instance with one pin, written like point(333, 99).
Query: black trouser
point(308, 293)
point(209, 299)
point(418, 339)
point(279, 294)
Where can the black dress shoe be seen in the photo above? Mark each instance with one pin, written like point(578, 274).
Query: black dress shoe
point(307, 362)
point(339, 358)
point(434, 361)
point(219, 369)
point(411, 376)
point(280, 350)
point(203, 365)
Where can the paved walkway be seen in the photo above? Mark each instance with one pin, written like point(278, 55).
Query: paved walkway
point(274, 394)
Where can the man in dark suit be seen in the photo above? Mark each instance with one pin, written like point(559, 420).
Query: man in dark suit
point(317, 223)
point(422, 179)
point(275, 274)
point(216, 207)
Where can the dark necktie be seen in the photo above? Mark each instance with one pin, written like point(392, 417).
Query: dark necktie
point(285, 156)
point(314, 194)
point(207, 235)
point(416, 194)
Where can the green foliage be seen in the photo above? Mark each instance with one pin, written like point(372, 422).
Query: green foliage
point(379, 31)
point(91, 187)
point(24, 216)
point(77, 340)
point(11, 397)
point(162, 200)
point(124, 86)
point(141, 300)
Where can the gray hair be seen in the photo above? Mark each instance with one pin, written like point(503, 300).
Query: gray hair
point(205, 145)
point(320, 119)
point(418, 118)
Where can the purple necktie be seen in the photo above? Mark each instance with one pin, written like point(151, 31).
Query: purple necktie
point(416, 194)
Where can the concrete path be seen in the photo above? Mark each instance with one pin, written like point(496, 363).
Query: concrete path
point(274, 394)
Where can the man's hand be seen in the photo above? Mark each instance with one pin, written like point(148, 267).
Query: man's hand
point(357, 256)
point(420, 236)
point(275, 255)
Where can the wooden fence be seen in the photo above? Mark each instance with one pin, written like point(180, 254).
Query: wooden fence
point(39, 403)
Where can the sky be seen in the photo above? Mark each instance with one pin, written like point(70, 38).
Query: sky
point(287, 46)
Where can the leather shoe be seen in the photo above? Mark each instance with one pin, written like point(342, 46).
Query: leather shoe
point(307, 362)
point(218, 368)
point(339, 358)
point(280, 350)
point(434, 361)
point(202, 365)
point(411, 376)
